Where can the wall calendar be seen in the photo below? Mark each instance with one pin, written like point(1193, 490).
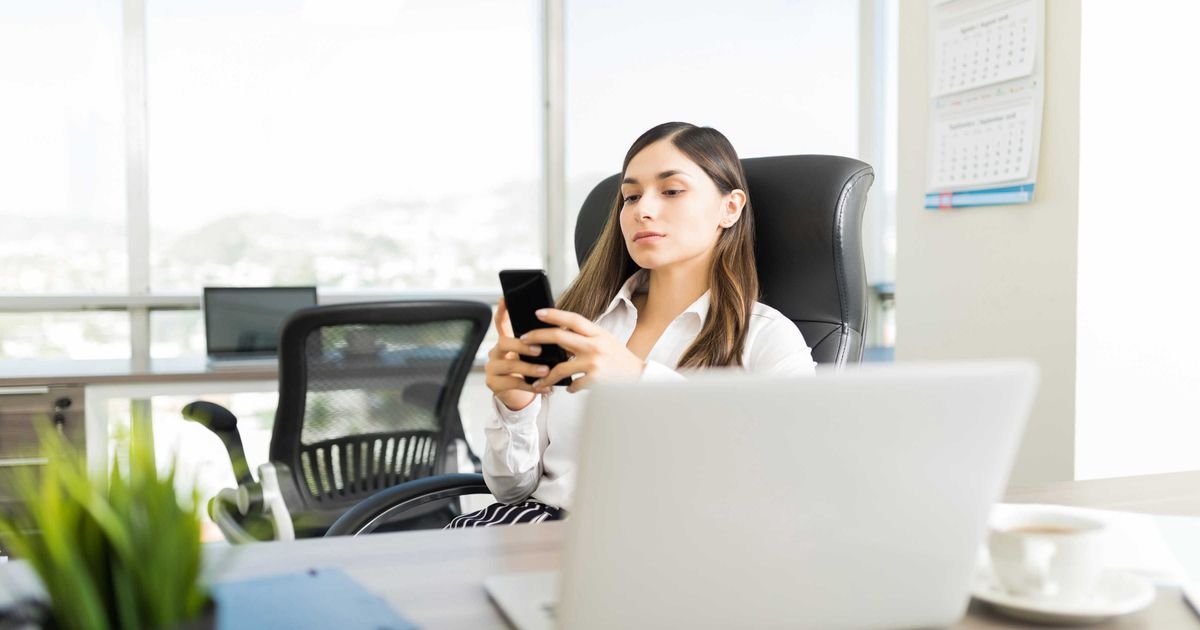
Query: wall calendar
point(986, 87)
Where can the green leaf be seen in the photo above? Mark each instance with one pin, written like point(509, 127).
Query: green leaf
point(122, 551)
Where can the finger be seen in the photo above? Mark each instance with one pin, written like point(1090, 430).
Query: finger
point(579, 383)
point(570, 341)
point(502, 320)
point(560, 371)
point(505, 346)
point(516, 366)
point(497, 353)
point(510, 344)
point(567, 319)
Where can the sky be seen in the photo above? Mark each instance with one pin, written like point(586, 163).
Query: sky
point(314, 106)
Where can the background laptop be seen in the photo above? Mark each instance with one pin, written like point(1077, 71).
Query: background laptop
point(242, 324)
point(840, 501)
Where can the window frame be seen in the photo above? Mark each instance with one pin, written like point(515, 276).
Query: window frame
point(140, 301)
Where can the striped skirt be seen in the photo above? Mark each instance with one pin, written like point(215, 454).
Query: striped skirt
point(502, 514)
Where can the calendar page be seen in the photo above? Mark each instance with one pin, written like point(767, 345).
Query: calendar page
point(986, 89)
point(983, 148)
point(984, 49)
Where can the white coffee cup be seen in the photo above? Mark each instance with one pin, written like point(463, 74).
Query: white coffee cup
point(1046, 555)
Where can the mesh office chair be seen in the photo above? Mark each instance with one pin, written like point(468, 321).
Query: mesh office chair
point(368, 398)
point(808, 248)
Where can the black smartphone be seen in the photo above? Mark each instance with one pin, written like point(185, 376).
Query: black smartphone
point(526, 291)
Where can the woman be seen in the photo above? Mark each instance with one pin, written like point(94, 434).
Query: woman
point(669, 287)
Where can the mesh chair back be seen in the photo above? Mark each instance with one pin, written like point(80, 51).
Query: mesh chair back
point(368, 393)
point(808, 244)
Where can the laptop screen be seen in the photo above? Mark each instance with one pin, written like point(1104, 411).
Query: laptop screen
point(245, 321)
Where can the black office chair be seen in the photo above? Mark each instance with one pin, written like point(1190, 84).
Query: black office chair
point(368, 399)
point(808, 247)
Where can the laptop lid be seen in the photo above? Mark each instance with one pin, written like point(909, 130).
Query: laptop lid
point(857, 499)
point(245, 322)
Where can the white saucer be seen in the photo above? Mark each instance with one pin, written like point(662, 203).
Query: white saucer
point(1117, 593)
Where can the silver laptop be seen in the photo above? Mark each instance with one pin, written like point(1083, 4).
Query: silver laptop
point(852, 500)
point(242, 324)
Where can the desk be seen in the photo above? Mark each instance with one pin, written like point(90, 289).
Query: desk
point(434, 577)
point(103, 380)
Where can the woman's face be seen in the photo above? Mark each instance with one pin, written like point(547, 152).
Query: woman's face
point(672, 213)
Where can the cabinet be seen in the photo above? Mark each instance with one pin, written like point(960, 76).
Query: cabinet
point(22, 411)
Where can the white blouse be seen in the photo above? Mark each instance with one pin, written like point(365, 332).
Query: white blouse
point(531, 452)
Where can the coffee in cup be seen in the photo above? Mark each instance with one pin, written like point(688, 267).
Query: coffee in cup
point(1044, 554)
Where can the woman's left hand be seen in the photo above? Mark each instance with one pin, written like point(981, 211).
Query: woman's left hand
point(595, 352)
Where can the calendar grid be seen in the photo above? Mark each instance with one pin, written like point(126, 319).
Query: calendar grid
point(983, 148)
point(991, 48)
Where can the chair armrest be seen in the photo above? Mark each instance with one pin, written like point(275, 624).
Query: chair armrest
point(385, 504)
point(223, 424)
point(219, 508)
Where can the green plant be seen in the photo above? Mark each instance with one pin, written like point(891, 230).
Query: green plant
point(122, 552)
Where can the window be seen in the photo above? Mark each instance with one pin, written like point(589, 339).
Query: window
point(369, 147)
point(62, 203)
point(775, 77)
point(352, 145)
point(73, 335)
point(176, 333)
point(1136, 396)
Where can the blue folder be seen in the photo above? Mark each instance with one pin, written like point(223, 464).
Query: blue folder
point(317, 598)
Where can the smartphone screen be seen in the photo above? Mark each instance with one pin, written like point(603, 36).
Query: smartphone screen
point(526, 291)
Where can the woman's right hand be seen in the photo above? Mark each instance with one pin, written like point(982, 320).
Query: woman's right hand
point(504, 370)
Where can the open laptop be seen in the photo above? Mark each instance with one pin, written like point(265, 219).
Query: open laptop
point(242, 324)
point(851, 500)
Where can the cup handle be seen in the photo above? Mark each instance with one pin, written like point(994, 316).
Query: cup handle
point(1037, 559)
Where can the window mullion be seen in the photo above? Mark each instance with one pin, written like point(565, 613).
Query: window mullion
point(554, 172)
point(136, 176)
point(872, 115)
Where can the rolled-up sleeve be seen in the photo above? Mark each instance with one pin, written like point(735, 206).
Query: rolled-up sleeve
point(512, 453)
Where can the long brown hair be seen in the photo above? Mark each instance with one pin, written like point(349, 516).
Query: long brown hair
point(733, 279)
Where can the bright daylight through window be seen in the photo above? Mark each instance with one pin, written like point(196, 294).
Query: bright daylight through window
point(352, 145)
point(62, 201)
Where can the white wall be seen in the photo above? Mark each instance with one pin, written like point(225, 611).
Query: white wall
point(1138, 401)
point(999, 281)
